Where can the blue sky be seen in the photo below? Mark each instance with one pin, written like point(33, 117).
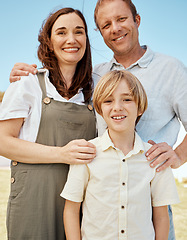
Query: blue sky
point(163, 28)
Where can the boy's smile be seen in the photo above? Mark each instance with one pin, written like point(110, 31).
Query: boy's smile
point(120, 111)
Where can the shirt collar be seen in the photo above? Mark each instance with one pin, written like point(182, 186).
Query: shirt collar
point(143, 62)
point(107, 143)
point(52, 92)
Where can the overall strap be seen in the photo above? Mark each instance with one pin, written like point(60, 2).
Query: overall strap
point(41, 80)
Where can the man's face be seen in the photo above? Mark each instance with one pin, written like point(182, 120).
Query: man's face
point(117, 26)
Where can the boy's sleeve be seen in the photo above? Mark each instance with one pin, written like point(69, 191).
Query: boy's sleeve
point(76, 184)
point(163, 189)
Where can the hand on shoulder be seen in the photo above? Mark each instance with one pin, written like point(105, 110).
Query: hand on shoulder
point(22, 69)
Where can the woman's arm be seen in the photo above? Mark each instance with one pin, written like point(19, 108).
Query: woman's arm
point(75, 152)
point(161, 222)
point(72, 220)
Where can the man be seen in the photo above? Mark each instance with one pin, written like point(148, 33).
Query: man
point(164, 79)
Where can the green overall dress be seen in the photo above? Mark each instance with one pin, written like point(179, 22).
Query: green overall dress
point(35, 208)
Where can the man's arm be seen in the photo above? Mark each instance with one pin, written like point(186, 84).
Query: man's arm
point(22, 69)
point(166, 155)
point(72, 220)
point(161, 222)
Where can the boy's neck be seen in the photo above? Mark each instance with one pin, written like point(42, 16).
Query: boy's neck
point(123, 141)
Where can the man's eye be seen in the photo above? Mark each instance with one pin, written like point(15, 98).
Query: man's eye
point(122, 19)
point(106, 26)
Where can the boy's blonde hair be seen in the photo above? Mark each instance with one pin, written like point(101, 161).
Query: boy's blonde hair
point(109, 82)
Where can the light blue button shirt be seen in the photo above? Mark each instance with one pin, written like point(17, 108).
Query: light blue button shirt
point(165, 81)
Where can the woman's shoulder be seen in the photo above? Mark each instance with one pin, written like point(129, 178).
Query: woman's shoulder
point(26, 88)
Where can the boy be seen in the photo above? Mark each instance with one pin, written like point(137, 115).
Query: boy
point(118, 189)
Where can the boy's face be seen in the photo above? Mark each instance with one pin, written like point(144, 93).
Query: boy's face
point(120, 111)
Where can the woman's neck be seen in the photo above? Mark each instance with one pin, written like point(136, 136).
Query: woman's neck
point(68, 72)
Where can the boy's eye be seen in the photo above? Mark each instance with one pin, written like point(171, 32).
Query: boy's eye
point(107, 101)
point(128, 99)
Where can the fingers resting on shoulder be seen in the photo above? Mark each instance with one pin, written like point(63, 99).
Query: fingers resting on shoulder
point(22, 69)
point(79, 152)
point(163, 156)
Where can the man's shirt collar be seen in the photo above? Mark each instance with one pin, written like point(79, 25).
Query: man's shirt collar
point(143, 62)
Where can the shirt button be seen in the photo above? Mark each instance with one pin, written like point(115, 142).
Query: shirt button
point(47, 100)
point(123, 183)
point(12, 180)
point(122, 207)
point(123, 160)
point(122, 231)
point(14, 163)
point(90, 107)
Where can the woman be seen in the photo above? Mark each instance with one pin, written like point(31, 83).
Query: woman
point(39, 116)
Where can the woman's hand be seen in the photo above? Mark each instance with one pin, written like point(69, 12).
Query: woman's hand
point(22, 69)
point(78, 152)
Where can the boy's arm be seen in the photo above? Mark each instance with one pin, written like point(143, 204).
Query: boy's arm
point(72, 220)
point(161, 222)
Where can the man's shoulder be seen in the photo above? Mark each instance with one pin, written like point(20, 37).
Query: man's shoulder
point(169, 60)
point(101, 68)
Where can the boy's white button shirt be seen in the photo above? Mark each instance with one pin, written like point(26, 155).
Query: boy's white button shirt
point(118, 192)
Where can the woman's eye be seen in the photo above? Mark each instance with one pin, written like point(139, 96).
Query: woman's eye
point(79, 32)
point(61, 33)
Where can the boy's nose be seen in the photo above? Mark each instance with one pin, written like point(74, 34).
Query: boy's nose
point(118, 106)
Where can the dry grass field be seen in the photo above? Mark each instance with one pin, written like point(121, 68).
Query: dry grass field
point(179, 210)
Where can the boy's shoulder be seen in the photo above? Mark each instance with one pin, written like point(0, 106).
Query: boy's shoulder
point(102, 142)
point(96, 141)
point(145, 145)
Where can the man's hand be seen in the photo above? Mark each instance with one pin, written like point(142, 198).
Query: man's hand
point(22, 69)
point(164, 155)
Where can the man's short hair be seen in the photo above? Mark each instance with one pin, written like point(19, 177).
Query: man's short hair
point(129, 3)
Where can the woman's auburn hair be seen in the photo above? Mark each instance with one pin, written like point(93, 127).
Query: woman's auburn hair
point(83, 74)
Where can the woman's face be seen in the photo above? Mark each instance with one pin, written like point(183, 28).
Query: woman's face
point(68, 39)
